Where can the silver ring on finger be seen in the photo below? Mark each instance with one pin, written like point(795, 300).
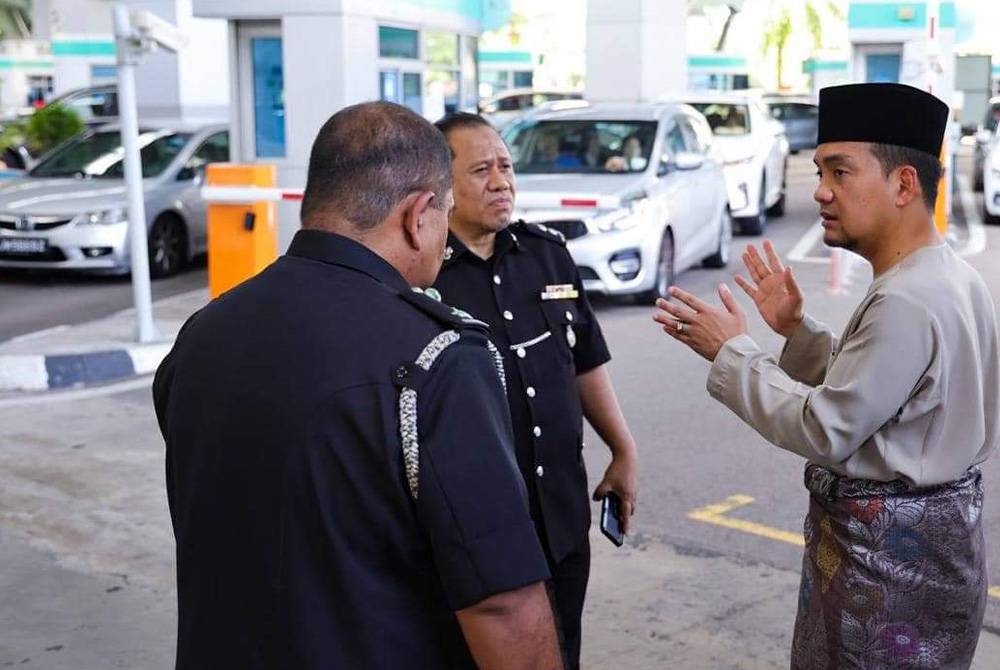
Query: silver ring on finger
point(680, 326)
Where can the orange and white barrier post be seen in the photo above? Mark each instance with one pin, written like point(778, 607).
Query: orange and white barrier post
point(242, 226)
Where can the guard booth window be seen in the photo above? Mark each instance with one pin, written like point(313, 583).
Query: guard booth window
point(268, 96)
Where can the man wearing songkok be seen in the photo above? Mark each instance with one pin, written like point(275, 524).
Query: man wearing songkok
point(894, 416)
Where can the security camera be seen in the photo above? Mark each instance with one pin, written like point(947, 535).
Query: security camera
point(150, 27)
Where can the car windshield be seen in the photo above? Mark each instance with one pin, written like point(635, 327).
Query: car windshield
point(581, 147)
point(100, 155)
point(725, 119)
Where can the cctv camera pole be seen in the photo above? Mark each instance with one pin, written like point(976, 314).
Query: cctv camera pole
point(129, 49)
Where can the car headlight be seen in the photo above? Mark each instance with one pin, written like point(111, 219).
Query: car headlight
point(104, 218)
point(619, 219)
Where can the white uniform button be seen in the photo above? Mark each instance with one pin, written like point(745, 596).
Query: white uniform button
point(507, 314)
point(521, 353)
point(530, 391)
point(569, 316)
point(537, 431)
point(540, 471)
point(496, 279)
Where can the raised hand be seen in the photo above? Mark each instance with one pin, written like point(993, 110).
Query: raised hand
point(773, 289)
point(698, 324)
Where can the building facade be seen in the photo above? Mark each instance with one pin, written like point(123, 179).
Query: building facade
point(297, 62)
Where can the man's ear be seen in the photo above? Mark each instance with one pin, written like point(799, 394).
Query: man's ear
point(909, 186)
point(413, 208)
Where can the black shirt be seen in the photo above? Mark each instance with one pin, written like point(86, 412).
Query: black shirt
point(531, 295)
point(299, 543)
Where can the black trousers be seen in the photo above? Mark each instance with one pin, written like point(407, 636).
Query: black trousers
point(567, 589)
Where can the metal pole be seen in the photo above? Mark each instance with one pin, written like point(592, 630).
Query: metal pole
point(128, 55)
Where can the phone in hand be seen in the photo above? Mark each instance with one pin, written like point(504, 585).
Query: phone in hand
point(611, 525)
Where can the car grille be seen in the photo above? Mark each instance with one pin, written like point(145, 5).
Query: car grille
point(29, 223)
point(570, 229)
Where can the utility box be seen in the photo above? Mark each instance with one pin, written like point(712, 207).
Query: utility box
point(242, 238)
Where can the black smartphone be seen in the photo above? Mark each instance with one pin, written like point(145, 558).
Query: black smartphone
point(610, 514)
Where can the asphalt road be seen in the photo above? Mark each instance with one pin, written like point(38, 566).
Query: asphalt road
point(87, 550)
point(35, 300)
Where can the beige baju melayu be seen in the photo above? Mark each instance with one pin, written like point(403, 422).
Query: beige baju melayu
point(893, 417)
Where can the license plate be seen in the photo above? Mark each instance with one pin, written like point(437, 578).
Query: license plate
point(23, 245)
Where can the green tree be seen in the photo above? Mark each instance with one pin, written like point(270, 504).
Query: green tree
point(776, 34)
point(814, 20)
point(49, 126)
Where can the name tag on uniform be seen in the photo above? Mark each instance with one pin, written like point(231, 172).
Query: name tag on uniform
point(560, 292)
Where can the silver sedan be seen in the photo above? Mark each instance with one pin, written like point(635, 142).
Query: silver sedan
point(632, 188)
point(69, 211)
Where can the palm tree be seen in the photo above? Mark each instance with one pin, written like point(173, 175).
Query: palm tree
point(778, 31)
point(776, 35)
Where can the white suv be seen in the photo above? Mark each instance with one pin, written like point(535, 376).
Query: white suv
point(753, 150)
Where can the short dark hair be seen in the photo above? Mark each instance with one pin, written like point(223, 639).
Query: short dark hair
point(928, 167)
point(461, 120)
point(367, 158)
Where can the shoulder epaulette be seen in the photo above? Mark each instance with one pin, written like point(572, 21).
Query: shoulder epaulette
point(441, 312)
point(539, 230)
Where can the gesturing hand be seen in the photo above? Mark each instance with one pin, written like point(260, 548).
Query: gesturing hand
point(698, 324)
point(773, 290)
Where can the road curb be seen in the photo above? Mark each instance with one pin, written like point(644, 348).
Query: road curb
point(36, 372)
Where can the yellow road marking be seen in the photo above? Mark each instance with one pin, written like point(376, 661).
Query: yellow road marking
point(716, 514)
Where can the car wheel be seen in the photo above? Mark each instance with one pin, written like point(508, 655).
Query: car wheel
point(664, 272)
point(755, 225)
point(720, 258)
point(167, 246)
point(778, 208)
point(990, 219)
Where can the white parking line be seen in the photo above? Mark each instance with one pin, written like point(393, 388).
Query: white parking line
point(977, 232)
point(800, 252)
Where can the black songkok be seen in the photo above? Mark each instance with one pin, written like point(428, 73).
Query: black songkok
point(882, 114)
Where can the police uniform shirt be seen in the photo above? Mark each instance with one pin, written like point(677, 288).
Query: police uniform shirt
point(910, 391)
point(299, 541)
point(531, 294)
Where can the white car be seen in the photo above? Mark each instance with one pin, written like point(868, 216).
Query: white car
point(631, 187)
point(754, 151)
point(503, 108)
point(991, 182)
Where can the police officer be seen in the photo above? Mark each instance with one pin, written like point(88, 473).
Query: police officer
point(521, 280)
point(340, 468)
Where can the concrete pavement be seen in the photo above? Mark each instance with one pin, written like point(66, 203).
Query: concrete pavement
point(96, 352)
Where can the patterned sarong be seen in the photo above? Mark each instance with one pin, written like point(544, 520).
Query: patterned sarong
point(892, 578)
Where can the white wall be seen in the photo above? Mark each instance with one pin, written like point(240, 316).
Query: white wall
point(647, 35)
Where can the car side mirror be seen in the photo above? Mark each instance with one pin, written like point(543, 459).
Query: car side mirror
point(189, 173)
point(687, 160)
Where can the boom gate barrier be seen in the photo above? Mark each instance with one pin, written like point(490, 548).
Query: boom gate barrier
point(242, 226)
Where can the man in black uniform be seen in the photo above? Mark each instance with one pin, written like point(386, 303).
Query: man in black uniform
point(521, 280)
point(340, 467)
